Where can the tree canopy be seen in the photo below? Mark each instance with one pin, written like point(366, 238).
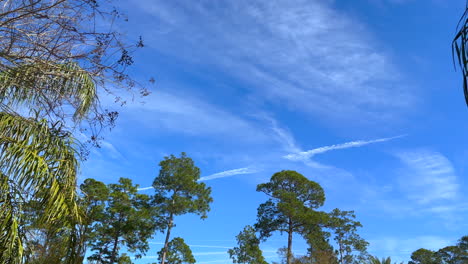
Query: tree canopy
point(248, 250)
point(290, 207)
point(54, 56)
point(177, 192)
point(177, 252)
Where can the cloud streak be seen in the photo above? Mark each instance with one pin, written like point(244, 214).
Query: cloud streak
point(429, 177)
point(172, 111)
point(298, 53)
point(401, 248)
point(230, 173)
point(218, 175)
point(306, 155)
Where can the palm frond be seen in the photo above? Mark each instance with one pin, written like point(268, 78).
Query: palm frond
point(460, 50)
point(11, 248)
point(376, 260)
point(48, 85)
point(37, 162)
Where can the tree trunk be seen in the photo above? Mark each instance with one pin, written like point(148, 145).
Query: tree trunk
point(114, 249)
point(116, 242)
point(290, 233)
point(341, 252)
point(81, 248)
point(168, 234)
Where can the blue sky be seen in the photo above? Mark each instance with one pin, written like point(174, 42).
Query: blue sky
point(360, 96)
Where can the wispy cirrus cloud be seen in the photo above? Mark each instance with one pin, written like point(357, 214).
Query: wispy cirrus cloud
point(400, 248)
point(112, 150)
point(187, 114)
point(427, 185)
point(429, 177)
point(281, 134)
point(299, 53)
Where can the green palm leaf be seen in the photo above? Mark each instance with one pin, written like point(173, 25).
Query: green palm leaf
point(460, 49)
point(38, 162)
point(46, 86)
point(376, 260)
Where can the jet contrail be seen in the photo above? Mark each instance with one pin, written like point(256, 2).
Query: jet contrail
point(229, 173)
point(218, 175)
point(145, 188)
point(304, 155)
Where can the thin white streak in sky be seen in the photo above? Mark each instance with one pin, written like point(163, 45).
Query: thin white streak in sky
point(145, 188)
point(305, 155)
point(229, 173)
point(196, 246)
point(223, 174)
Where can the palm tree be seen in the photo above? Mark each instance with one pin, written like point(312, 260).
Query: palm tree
point(38, 157)
point(375, 260)
point(460, 49)
point(48, 88)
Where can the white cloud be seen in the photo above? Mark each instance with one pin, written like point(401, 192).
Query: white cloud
point(111, 150)
point(400, 248)
point(210, 253)
point(145, 188)
point(426, 186)
point(281, 134)
point(430, 177)
point(298, 53)
point(218, 175)
point(288, 142)
point(448, 208)
point(184, 113)
point(208, 246)
point(229, 173)
point(306, 155)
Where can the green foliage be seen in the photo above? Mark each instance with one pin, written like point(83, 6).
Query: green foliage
point(290, 208)
point(320, 251)
point(43, 85)
point(424, 256)
point(55, 54)
point(460, 49)
point(51, 60)
point(292, 198)
point(129, 220)
point(457, 254)
point(93, 201)
point(177, 192)
point(177, 252)
point(450, 255)
point(376, 260)
point(38, 159)
point(324, 258)
point(248, 249)
point(346, 237)
point(94, 195)
point(46, 243)
point(292, 188)
point(113, 216)
point(124, 259)
point(38, 162)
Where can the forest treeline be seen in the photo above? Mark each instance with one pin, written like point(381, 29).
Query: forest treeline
point(56, 57)
point(117, 219)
